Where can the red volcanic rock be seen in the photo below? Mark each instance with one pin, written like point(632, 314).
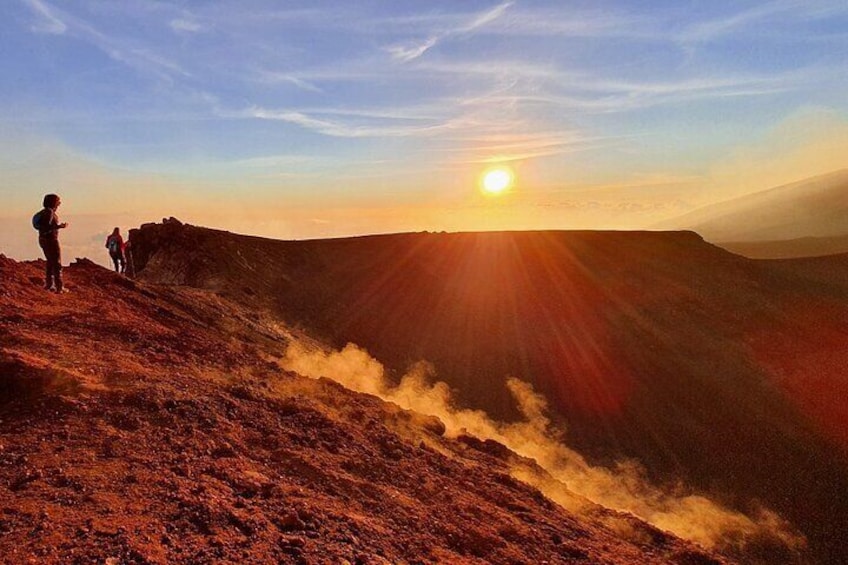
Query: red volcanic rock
point(726, 372)
point(146, 424)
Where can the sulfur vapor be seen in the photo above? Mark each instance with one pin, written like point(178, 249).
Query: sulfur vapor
point(565, 476)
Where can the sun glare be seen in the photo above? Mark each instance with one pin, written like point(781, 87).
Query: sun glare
point(497, 181)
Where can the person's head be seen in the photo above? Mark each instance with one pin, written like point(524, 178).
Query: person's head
point(116, 231)
point(52, 201)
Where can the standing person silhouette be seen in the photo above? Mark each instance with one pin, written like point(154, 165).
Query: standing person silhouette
point(115, 244)
point(48, 226)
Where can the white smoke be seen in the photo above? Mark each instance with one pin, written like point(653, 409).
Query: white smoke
point(570, 480)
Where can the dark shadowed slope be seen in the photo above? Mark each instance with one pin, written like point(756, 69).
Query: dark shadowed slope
point(699, 363)
point(788, 249)
point(142, 425)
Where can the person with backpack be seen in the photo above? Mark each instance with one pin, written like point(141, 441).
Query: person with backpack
point(115, 244)
point(47, 223)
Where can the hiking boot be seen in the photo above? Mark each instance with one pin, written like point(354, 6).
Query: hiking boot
point(61, 291)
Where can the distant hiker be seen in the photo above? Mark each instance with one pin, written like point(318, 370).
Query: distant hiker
point(47, 223)
point(116, 246)
point(128, 255)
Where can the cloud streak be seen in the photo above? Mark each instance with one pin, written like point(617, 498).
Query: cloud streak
point(182, 25)
point(406, 53)
point(285, 78)
point(335, 128)
point(140, 58)
point(50, 22)
point(411, 51)
point(778, 11)
point(485, 18)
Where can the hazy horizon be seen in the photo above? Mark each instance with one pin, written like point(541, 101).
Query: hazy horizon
point(324, 120)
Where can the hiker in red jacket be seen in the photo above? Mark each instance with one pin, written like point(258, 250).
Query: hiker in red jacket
point(115, 244)
point(48, 226)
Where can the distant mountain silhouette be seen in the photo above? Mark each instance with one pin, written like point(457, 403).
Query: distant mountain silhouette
point(703, 365)
point(812, 208)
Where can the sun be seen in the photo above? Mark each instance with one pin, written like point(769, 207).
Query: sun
point(497, 180)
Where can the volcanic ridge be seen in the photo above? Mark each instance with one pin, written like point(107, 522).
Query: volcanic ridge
point(709, 369)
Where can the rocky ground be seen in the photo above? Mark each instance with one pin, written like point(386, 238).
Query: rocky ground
point(143, 424)
point(713, 370)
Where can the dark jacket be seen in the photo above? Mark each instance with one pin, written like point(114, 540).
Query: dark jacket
point(49, 224)
point(119, 244)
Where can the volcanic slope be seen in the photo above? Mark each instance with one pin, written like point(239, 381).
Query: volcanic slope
point(141, 424)
point(725, 372)
point(808, 216)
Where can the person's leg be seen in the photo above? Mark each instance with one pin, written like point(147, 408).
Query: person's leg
point(56, 252)
point(123, 260)
point(115, 259)
point(48, 269)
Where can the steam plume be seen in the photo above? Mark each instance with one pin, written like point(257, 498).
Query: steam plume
point(570, 480)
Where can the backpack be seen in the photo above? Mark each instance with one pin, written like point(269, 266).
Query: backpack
point(36, 220)
point(113, 245)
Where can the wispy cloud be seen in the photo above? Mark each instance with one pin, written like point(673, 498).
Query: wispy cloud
point(485, 18)
point(49, 22)
point(522, 141)
point(640, 92)
point(776, 11)
point(338, 128)
point(272, 77)
point(524, 86)
point(409, 52)
point(423, 113)
point(511, 67)
point(139, 57)
point(182, 25)
point(413, 50)
point(273, 161)
point(525, 155)
point(586, 93)
point(511, 20)
point(599, 24)
point(706, 31)
point(494, 148)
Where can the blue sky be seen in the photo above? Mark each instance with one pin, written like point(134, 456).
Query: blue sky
point(305, 119)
